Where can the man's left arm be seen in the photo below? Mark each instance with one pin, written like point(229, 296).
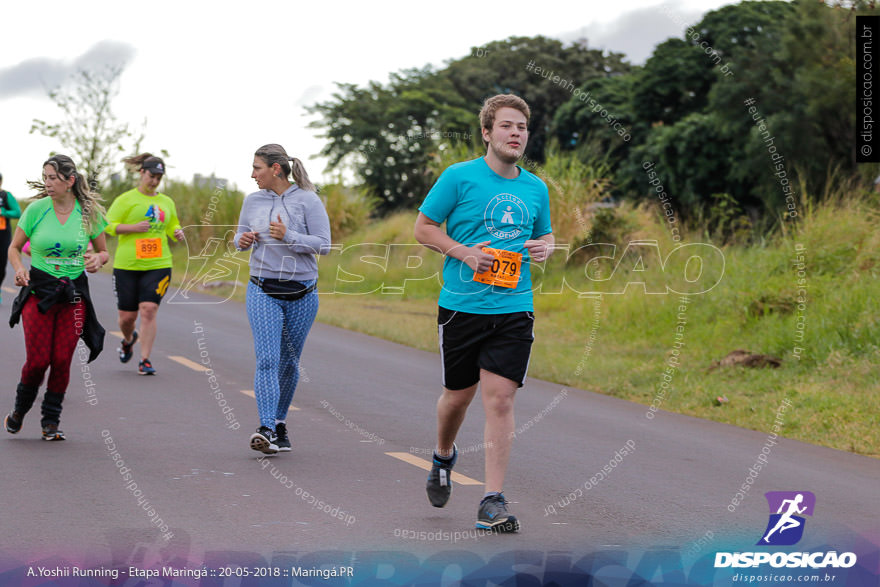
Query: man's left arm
point(541, 247)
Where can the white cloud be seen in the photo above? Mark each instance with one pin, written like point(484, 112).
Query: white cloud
point(38, 75)
point(636, 32)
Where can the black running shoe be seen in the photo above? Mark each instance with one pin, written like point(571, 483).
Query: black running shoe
point(439, 485)
point(13, 422)
point(125, 350)
point(261, 440)
point(51, 432)
point(493, 515)
point(145, 367)
point(281, 440)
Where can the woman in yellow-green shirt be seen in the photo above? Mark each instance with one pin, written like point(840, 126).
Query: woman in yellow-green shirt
point(143, 219)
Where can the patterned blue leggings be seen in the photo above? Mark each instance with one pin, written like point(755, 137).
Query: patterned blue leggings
point(280, 330)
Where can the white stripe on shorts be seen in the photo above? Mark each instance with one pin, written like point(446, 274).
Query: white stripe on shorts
point(526, 372)
point(442, 362)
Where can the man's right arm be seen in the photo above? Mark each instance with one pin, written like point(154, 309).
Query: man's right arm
point(429, 233)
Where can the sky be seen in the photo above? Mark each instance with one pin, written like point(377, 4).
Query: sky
point(214, 81)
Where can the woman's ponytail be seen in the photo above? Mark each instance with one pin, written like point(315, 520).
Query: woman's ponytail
point(300, 176)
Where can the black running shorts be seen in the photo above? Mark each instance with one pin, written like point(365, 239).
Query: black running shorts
point(133, 287)
point(498, 343)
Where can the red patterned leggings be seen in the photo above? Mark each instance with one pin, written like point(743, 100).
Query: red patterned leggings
point(50, 340)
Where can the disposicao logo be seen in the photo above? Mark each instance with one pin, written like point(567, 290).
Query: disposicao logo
point(786, 525)
point(785, 528)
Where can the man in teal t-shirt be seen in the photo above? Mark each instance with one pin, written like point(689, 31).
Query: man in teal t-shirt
point(497, 220)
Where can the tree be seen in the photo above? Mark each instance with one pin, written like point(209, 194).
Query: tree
point(691, 160)
point(89, 130)
point(674, 83)
point(510, 66)
point(389, 133)
point(580, 121)
point(687, 115)
point(801, 74)
point(821, 118)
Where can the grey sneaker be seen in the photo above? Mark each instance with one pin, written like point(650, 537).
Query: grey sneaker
point(439, 485)
point(493, 515)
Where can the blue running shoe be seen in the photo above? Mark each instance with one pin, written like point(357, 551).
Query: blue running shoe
point(145, 367)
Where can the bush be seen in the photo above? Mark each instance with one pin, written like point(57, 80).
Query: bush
point(723, 220)
point(349, 209)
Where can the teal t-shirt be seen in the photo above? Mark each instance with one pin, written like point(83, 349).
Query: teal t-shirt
point(57, 248)
point(479, 205)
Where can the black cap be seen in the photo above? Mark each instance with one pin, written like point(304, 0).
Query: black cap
point(154, 165)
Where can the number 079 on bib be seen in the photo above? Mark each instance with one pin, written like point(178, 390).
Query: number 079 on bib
point(505, 271)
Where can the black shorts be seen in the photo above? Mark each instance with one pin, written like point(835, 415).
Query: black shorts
point(133, 287)
point(498, 343)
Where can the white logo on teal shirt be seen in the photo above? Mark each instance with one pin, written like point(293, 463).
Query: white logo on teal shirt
point(505, 216)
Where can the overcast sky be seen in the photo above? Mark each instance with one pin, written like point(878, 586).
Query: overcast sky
point(217, 80)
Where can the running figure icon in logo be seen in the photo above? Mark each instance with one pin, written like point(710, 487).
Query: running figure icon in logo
point(793, 503)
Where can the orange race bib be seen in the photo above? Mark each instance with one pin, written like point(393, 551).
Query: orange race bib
point(505, 269)
point(148, 248)
point(2, 222)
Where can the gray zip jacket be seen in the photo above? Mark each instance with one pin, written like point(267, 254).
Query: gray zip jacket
point(308, 233)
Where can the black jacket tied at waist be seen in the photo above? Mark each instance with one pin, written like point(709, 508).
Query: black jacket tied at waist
point(51, 290)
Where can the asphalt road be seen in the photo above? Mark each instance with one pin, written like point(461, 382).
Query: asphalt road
point(364, 422)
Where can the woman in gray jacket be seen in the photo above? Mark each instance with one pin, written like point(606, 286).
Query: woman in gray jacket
point(286, 225)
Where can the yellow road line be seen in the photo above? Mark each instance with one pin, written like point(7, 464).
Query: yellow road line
point(187, 363)
point(250, 393)
point(198, 367)
point(423, 464)
point(10, 290)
